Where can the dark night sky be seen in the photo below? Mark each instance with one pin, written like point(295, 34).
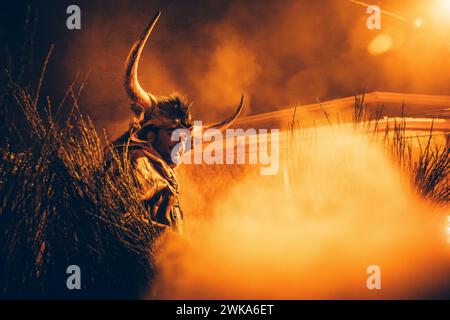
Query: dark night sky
point(276, 52)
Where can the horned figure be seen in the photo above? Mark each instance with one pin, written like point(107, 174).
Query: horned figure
point(149, 141)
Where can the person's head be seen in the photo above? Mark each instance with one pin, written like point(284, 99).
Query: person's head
point(173, 115)
point(170, 148)
point(159, 116)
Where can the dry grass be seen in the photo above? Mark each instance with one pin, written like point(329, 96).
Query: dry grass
point(62, 205)
point(423, 161)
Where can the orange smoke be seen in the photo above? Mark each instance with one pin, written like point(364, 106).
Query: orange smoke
point(308, 233)
point(276, 53)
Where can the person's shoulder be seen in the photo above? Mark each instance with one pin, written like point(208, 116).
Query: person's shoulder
point(135, 153)
point(139, 158)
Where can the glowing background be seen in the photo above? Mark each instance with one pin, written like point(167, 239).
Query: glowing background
point(325, 227)
point(336, 206)
point(277, 53)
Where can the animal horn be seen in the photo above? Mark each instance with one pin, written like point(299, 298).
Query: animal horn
point(138, 95)
point(229, 121)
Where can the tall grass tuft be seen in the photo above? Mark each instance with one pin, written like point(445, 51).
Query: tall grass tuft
point(62, 205)
point(423, 161)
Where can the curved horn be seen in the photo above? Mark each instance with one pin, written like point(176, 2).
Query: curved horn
point(132, 86)
point(227, 122)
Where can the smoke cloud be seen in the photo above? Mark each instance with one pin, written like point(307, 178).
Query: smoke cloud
point(310, 232)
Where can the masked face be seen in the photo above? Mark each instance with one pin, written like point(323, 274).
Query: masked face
point(165, 144)
point(159, 111)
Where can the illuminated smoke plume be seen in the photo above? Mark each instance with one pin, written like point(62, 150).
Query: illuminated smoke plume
point(276, 53)
point(311, 232)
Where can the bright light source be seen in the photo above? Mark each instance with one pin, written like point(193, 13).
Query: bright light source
point(441, 9)
point(445, 5)
point(447, 228)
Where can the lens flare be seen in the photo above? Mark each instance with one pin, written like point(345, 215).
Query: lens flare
point(380, 44)
point(418, 22)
